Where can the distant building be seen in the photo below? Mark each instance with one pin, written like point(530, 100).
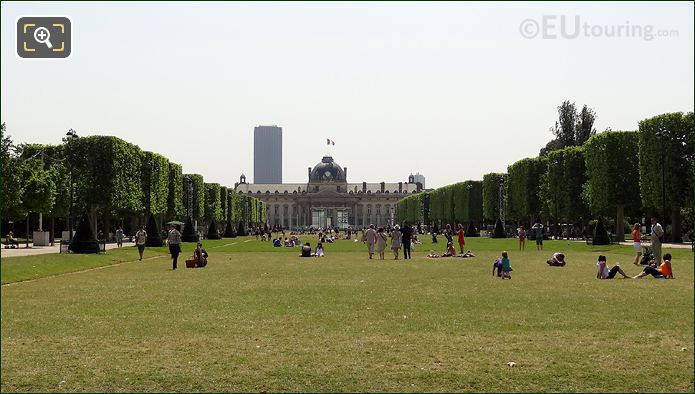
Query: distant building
point(267, 154)
point(417, 178)
point(327, 199)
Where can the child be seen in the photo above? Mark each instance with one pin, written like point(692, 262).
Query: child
point(319, 250)
point(506, 266)
point(602, 271)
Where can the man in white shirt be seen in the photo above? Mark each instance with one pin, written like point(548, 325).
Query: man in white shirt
point(370, 239)
point(657, 234)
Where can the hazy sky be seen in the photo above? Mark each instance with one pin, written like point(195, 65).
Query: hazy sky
point(452, 90)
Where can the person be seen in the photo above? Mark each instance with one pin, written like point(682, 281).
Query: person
point(140, 238)
point(119, 236)
point(381, 242)
point(174, 242)
point(637, 242)
point(306, 250)
point(603, 272)
point(539, 235)
point(319, 250)
point(370, 238)
point(449, 234)
point(396, 241)
point(664, 270)
point(432, 254)
point(497, 266)
point(277, 243)
point(657, 237)
point(467, 254)
point(406, 234)
point(450, 251)
point(434, 236)
point(461, 239)
point(522, 238)
point(11, 240)
point(506, 266)
point(200, 256)
point(558, 260)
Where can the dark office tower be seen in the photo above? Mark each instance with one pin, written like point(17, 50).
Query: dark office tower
point(267, 154)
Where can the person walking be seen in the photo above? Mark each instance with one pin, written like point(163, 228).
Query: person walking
point(637, 242)
point(370, 238)
point(657, 237)
point(381, 242)
point(174, 242)
point(119, 236)
point(406, 236)
point(140, 238)
point(396, 241)
point(461, 239)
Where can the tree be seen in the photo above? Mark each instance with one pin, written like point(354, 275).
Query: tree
point(562, 183)
point(11, 201)
point(572, 128)
point(189, 234)
point(84, 240)
point(665, 163)
point(106, 172)
point(154, 236)
point(155, 182)
point(39, 190)
point(175, 193)
point(213, 209)
point(584, 128)
point(491, 195)
point(198, 195)
point(523, 187)
point(612, 178)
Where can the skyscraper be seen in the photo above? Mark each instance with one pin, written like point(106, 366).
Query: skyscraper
point(267, 154)
point(418, 178)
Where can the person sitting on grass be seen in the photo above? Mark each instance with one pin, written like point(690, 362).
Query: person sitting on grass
point(506, 266)
point(432, 254)
point(277, 243)
point(663, 272)
point(450, 251)
point(497, 266)
point(467, 254)
point(558, 260)
point(603, 272)
point(319, 250)
point(200, 256)
point(306, 250)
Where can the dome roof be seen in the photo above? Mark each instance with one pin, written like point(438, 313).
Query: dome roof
point(327, 171)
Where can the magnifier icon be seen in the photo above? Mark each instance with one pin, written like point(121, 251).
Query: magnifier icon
point(43, 36)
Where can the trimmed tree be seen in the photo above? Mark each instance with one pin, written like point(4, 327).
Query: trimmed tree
point(665, 165)
point(491, 195)
point(154, 236)
point(212, 231)
point(600, 233)
point(612, 180)
point(175, 196)
point(189, 234)
point(84, 240)
point(155, 183)
point(198, 195)
point(523, 186)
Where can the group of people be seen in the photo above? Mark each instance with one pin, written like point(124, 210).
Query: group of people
point(173, 241)
point(376, 239)
point(306, 250)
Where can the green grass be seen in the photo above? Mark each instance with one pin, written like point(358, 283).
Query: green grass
point(261, 319)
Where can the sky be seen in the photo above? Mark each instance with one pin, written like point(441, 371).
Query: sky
point(450, 90)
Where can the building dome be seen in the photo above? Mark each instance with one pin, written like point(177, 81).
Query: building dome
point(327, 171)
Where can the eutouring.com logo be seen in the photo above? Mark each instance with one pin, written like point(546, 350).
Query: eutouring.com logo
point(551, 27)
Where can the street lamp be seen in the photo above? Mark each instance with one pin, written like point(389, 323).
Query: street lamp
point(501, 202)
point(69, 136)
point(662, 133)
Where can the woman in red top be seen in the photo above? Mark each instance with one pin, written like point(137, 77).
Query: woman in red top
point(637, 242)
point(462, 240)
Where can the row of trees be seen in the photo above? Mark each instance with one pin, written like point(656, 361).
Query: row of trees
point(112, 179)
point(613, 173)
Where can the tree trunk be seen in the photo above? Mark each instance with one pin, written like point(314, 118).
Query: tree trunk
point(619, 224)
point(27, 243)
point(676, 225)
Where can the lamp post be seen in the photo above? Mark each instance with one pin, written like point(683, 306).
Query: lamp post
point(663, 134)
point(501, 203)
point(69, 136)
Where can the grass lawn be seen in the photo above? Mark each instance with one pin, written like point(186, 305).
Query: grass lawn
point(262, 319)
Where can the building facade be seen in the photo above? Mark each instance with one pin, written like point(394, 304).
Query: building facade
point(267, 154)
point(419, 178)
point(327, 199)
